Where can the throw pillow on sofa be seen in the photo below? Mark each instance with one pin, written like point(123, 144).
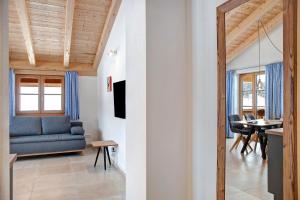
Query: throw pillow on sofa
point(77, 130)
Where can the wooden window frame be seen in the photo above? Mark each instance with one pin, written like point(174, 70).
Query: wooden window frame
point(254, 91)
point(41, 111)
point(18, 94)
point(290, 42)
point(62, 111)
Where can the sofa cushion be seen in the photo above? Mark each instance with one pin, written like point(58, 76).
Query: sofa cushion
point(67, 137)
point(32, 139)
point(45, 138)
point(47, 147)
point(56, 125)
point(25, 126)
point(77, 130)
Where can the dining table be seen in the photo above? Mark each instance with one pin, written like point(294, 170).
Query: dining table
point(260, 125)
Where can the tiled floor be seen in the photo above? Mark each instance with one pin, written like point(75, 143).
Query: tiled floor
point(67, 177)
point(246, 175)
point(73, 177)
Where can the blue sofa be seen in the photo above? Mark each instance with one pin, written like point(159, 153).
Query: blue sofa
point(45, 135)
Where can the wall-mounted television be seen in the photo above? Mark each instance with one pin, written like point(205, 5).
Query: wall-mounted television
point(120, 99)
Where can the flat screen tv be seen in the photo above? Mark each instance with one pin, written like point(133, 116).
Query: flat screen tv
point(120, 99)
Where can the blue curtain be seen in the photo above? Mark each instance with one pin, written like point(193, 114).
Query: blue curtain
point(274, 90)
point(229, 100)
point(11, 93)
point(71, 95)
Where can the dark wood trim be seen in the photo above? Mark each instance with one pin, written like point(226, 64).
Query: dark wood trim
point(290, 100)
point(221, 94)
point(290, 95)
point(298, 96)
point(230, 5)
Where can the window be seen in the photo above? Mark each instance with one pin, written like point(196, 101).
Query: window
point(52, 94)
point(260, 93)
point(252, 99)
point(39, 94)
point(247, 97)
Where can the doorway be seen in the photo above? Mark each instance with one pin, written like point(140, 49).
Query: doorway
point(289, 127)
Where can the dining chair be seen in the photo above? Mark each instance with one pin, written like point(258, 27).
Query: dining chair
point(261, 113)
point(239, 129)
point(249, 116)
point(254, 138)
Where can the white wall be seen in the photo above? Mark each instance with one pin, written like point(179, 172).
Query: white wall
point(110, 127)
point(167, 76)
point(4, 144)
point(88, 106)
point(135, 99)
point(168, 83)
point(168, 95)
point(268, 54)
point(204, 52)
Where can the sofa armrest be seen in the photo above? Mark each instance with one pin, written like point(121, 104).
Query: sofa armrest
point(77, 130)
point(76, 123)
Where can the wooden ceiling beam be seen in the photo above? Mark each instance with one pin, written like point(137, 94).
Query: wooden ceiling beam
point(250, 20)
point(55, 66)
point(52, 68)
point(70, 6)
point(53, 73)
point(278, 19)
point(38, 72)
point(26, 31)
point(111, 16)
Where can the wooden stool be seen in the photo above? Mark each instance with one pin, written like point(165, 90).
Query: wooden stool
point(105, 145)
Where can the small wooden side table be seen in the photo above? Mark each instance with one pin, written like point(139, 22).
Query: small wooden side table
point(105, 145)
point(12, 159)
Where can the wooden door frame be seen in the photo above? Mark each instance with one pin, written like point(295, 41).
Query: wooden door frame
point(290, 97)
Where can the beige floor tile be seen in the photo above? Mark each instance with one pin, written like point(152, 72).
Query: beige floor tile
point(55, 169)
point(67, 177)
point(22, 196)
point(25, 174)
point(23, 187)
point(61, 193)
point(246, 175)
point(104, 191)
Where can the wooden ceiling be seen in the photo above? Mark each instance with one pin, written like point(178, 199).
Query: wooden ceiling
point(59, 35)
point(242, 24)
